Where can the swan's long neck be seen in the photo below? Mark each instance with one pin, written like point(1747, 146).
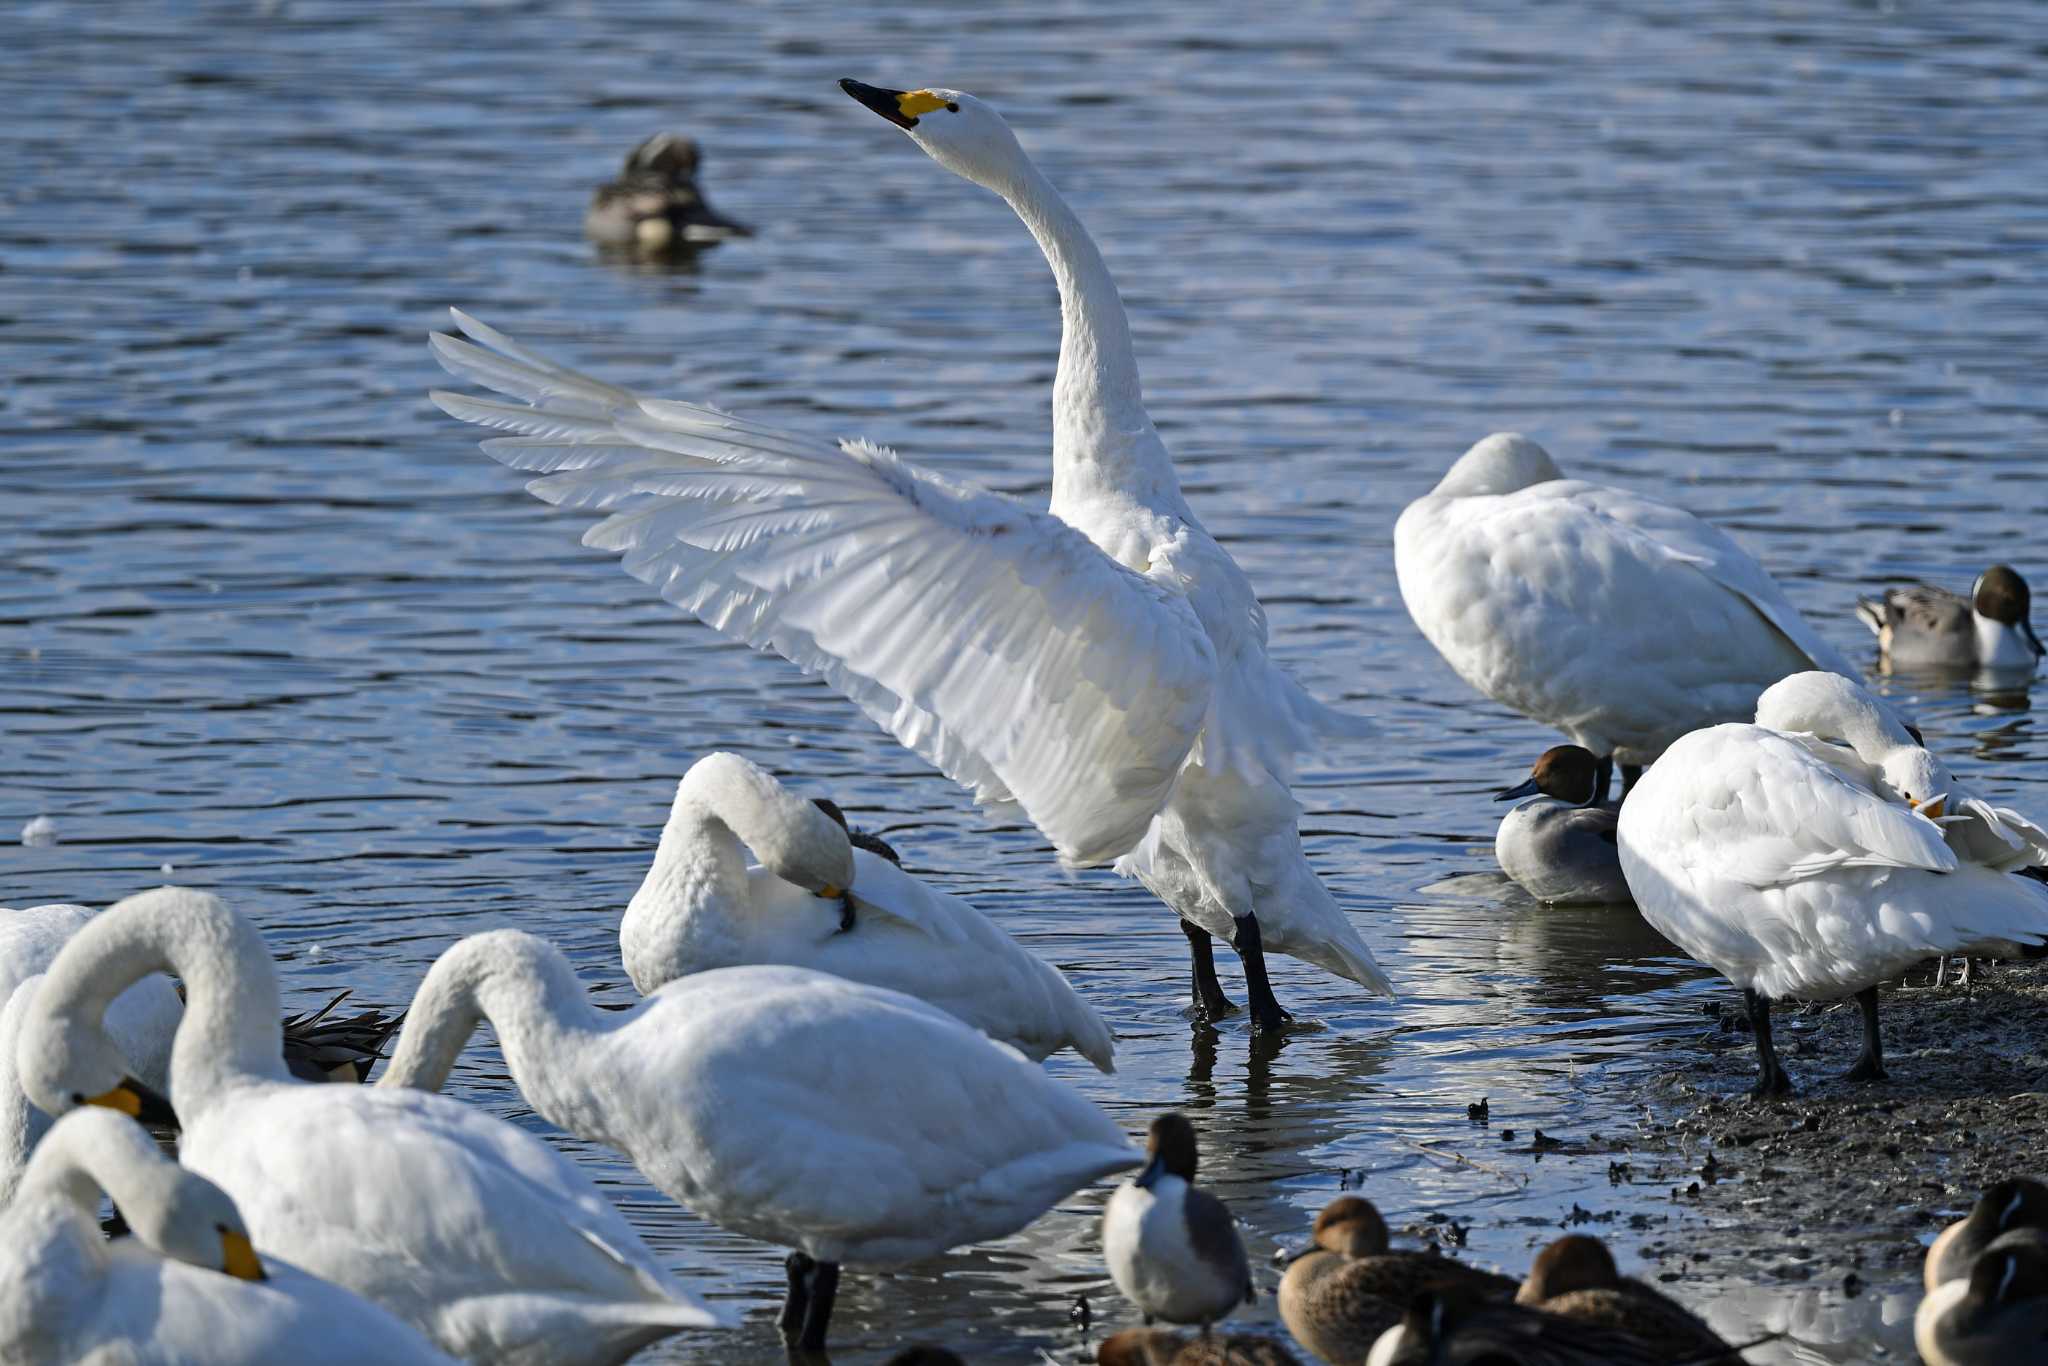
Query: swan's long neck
point(545, 1024)
point(230, 1032)
point(1828, 705)
point(1102, 439)
point(95, 1151)
point(692, 905)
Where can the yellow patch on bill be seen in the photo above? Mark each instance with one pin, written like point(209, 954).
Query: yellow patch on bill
point(911, 103)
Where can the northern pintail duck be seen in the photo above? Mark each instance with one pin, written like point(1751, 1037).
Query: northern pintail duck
point(1997, 1315)
point(2005, 1207)
point(1797, 866)
point(1172, 1247)
point(653, 207)
point(1576, 1277)
point(1621, 620)
point(1348, 1288)
point(1924, 627)
point(1560, 848)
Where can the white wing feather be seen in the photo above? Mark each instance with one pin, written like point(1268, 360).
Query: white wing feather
point(995, 641)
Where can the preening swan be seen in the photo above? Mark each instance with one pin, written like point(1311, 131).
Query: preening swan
point(1560, 848)
point(816, 901)
point(187, 1287)
point(473, 1231)
point(1799, 867)
point(1924, 627)
point(848, 1122)
point(1102, 667)
point(1623, 621)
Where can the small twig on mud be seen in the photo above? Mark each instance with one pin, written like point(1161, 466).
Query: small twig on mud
point(1459, 1158)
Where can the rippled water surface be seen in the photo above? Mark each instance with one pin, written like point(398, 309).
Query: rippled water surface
point(270, 624)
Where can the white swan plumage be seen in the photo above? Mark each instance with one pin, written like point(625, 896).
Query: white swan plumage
point(188, 1286)
point(816, 901)
point(1101, 666)
point(472, 1230)
point(851, 1123)
point(1620, 620)
point(1800, 867)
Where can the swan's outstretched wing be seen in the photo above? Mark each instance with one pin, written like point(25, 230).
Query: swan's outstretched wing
point(995, 641)
point(1765, 809)
point(1714, 554)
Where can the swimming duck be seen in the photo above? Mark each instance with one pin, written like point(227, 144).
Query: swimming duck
point(851, 1123)
point(1576, 1277)
point(1150, 1347)
point(188, 1286)
point(1449, 1327)
point(1921, 626)
point(1172, 1248)
point(1995, 1316)
point(143, 1022)
point(1562, 850)
point(653, 207)
point(1799, 867)
point(1347, 1288)
point(1099, 669)
point(818, 900)
point(472, 1230)
point(1623, 621)
point(2004, 1207)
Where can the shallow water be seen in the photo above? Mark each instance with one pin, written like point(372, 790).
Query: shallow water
point(270, 624)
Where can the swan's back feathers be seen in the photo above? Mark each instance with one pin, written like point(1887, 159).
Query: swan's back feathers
point(1714, 553)
point(995, 641)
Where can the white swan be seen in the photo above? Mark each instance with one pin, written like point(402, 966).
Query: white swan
point(851, 1123)
point(188, 1287)
point(1923, 627)
point(142, 1021)
point(819, 902)
point(1102, 666)
point(1798, 867)
point(1620, 620)
point(474, 1231)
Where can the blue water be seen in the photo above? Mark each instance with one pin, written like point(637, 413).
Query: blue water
point(270, 624)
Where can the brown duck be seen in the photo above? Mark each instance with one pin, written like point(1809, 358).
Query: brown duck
point(1576, 1278)
point(1348, 1288)
point(1152, 1347)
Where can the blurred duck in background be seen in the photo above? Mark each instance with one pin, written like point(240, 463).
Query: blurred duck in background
point(653, 207)
point(1924, 627)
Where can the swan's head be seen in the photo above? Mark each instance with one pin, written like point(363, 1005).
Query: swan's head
point(792, 838)
point(67, 1062)
point(955, 129)
point(196, 1222)
point(1569, 773)
point(1921, 780)
point(1573, 1262)
point(1502, 463)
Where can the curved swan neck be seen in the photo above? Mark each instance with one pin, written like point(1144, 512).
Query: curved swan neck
point(230, 1031)
point(1102, 438)
point(725, 807)
point(535, 1003)
point(1829, 705)
point(97, 1150)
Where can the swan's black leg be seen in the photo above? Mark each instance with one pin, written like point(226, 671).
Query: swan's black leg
point(1210, 1002)
point(818, 1316)
point(1870, 1062)
point(1771, 1078)
point(1630, 775)
point(799, 1268)
point(1603, 774)
point(1265, 1008)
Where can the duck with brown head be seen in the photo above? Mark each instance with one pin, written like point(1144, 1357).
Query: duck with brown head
point(1172, 1248)
point(2005, 1207)
point(1348, 1287)
point(1152, 1347)
point(1561, 847)
point(1924, 627)
point(1448, 1326)
point(653, 207)
point(1576, 1277)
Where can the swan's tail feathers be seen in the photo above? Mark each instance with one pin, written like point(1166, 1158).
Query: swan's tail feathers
point(1871, 612)
point(1360, 967)
point(1091, 1038)
point(1318, 719)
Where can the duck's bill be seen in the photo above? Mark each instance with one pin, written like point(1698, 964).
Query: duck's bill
point(1523, 789)
point(2027, 630)
point(887, 103)
point(1288, 1256)
point(136, 1101)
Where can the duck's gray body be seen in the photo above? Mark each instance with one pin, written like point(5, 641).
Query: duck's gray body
point(1562, 854)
